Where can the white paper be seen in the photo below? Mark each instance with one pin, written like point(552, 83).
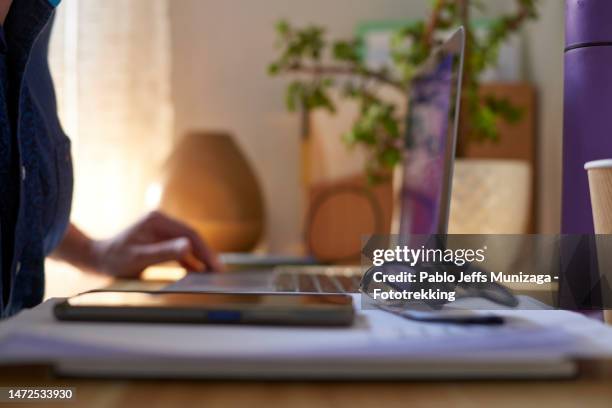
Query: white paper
point(35, 335)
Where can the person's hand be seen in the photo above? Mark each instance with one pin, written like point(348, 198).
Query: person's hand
point(154, 239)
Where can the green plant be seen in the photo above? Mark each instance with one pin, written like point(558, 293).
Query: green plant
point(325, 64)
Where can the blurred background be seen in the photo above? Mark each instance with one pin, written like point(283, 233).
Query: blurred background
point(142, 81)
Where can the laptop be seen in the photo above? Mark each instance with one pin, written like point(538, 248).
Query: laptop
point(426, 180)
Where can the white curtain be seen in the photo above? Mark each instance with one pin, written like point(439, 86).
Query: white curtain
point(111, 63)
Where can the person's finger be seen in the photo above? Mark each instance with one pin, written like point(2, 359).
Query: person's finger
point(170, 228)
point(192, 263)
point(172, 250)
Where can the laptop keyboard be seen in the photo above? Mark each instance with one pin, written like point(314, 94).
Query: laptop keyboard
point(318, 279)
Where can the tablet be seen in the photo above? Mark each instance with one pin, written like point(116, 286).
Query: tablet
point(216, 308)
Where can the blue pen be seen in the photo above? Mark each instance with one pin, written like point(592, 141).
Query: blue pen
point(455, 317)
point(488, 320)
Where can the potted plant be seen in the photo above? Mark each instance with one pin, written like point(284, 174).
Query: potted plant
point(320, 66)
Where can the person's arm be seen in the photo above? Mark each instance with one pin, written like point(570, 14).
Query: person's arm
point(154, 239)
point(5, 6)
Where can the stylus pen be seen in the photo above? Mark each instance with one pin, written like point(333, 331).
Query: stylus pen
point(488, 320)
point(431, 317)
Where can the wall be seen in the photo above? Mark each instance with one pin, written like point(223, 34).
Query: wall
point(544, 42)
point(220, 53)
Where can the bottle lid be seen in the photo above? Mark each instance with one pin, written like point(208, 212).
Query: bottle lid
point(588, 22)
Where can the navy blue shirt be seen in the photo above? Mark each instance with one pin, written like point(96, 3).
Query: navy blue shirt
point(35, 163)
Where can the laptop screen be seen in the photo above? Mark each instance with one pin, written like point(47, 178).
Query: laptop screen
point(430, 144)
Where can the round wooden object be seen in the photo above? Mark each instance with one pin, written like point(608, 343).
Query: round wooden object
point(338, 219)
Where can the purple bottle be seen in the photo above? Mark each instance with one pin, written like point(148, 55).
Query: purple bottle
point(587, 135)
point(587, 124)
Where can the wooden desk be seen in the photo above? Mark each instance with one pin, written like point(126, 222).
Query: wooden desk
point(593, 389)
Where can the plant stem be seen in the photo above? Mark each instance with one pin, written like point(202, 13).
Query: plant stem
point(432, 24)
point(516, 21)
point(340, 70)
